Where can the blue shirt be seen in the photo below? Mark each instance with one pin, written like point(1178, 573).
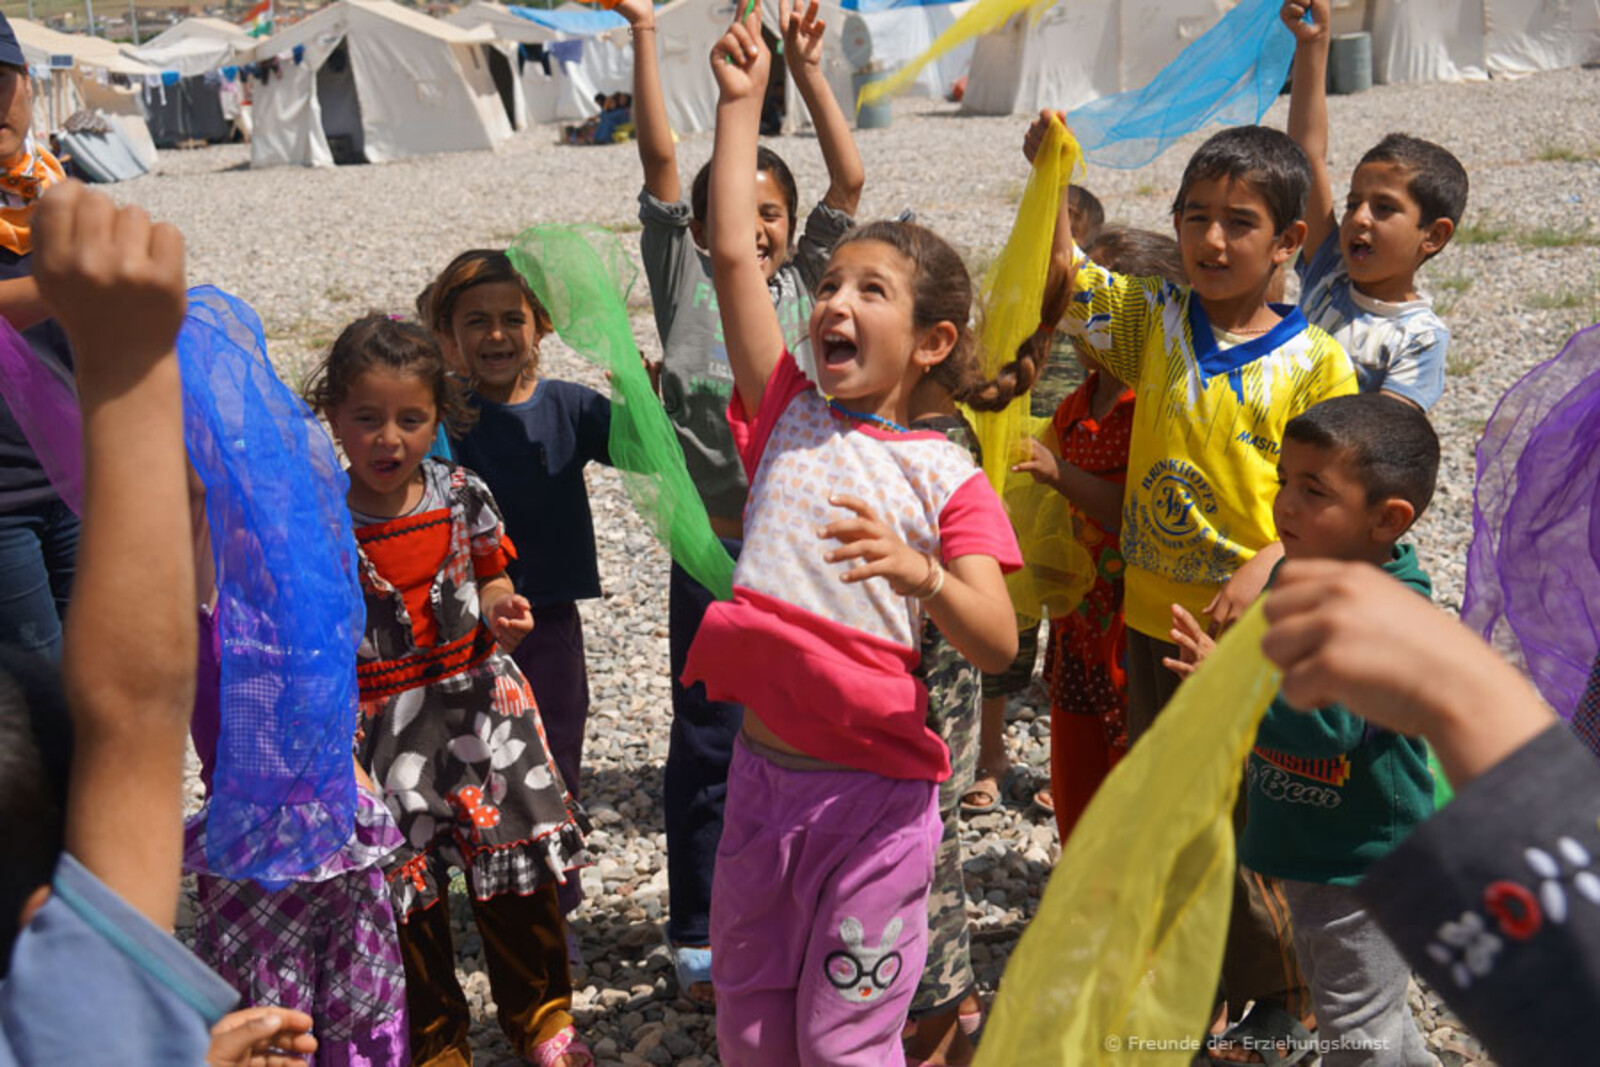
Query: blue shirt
point(532, 455)
point(92, 981)
point(1398, 347)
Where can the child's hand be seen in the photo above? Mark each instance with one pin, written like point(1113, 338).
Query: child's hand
point(740, 60)
point(802, 35)
point(867, 537)
point(114, 280)
point(261, 1037)
point(1194, 644)
point(510, 619)
point(1036, 131)
point(1043, 464)
point(1242, 590)
point(1294, 13)
point(637, 12)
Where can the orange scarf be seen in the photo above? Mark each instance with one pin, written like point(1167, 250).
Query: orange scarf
point(21, 184)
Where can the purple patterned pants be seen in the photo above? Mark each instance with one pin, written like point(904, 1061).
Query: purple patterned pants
point(325, 948)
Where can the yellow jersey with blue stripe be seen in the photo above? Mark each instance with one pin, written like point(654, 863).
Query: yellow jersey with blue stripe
point(1208, 427)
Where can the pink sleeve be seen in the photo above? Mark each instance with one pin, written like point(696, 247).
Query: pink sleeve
point(750, 434)
point(974, 523)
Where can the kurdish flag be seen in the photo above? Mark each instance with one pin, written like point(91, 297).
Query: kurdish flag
point(258, 20)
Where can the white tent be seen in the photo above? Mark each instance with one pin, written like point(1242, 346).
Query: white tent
point(100, 78)
point(566, 93)
point(603, 61)
point(1469, 40)
point(198, 44)
point(202, 105)
point(1080, 50)
point(371, 81)
point(900, 33)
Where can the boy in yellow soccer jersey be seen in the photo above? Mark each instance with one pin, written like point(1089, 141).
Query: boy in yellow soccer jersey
point(1218, 372)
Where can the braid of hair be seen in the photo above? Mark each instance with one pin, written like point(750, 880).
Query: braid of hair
point(1015, 378)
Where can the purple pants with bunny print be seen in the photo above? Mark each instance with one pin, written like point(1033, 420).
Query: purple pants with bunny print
point(819, 913)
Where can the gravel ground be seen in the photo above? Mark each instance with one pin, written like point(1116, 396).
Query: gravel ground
point(310, 249)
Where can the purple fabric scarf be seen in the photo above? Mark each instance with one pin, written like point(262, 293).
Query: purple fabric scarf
point(1533, 571)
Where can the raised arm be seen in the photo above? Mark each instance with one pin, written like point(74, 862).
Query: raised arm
point(802, 46)
point(1308, 112)
point(651, 130)
point(749, 323)
point(1063, 253)
point(115, 282)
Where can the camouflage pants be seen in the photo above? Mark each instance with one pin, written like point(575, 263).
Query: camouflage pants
point(953, 691)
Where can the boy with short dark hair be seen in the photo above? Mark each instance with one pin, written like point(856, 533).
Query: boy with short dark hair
point(1329, 793)
point(1218, 373)
point(1358, 277)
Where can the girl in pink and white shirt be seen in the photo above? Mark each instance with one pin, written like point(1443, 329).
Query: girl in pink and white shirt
point(854, 527)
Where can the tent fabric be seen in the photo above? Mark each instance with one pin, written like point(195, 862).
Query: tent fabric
point(194, 109)
point(103, 157)
point(900, 32)
point(204, 28)
point(584, 59)
point(189, 111)
point(1076, 51)
point(1470, 40)
point(685, 32)
point(575, 22)
point(187, 56)
point(416, 85)
point(1071, 52)
point(120, 107)
point(865, 6)
point(1524, 37)
point(1231, 75)
point(65, 92)
point(40, 42)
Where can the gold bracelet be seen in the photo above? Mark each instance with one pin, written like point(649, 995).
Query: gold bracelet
point(635, 31)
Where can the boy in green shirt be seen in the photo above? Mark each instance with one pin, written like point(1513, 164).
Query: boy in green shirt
point(1329, 793)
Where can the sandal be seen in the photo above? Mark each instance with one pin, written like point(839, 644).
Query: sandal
point(548, 1052)
point(1277, 1037)
point(693, 969)
point(1044, 802)
point(986, 794)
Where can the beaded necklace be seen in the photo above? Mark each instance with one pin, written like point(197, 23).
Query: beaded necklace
point(866, 416)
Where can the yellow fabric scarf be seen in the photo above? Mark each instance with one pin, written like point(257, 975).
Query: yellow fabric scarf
point(21, 183)
point(1119, 967)
point(1059, 570)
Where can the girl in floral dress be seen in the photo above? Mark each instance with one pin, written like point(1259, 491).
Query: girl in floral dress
point(449, 728)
